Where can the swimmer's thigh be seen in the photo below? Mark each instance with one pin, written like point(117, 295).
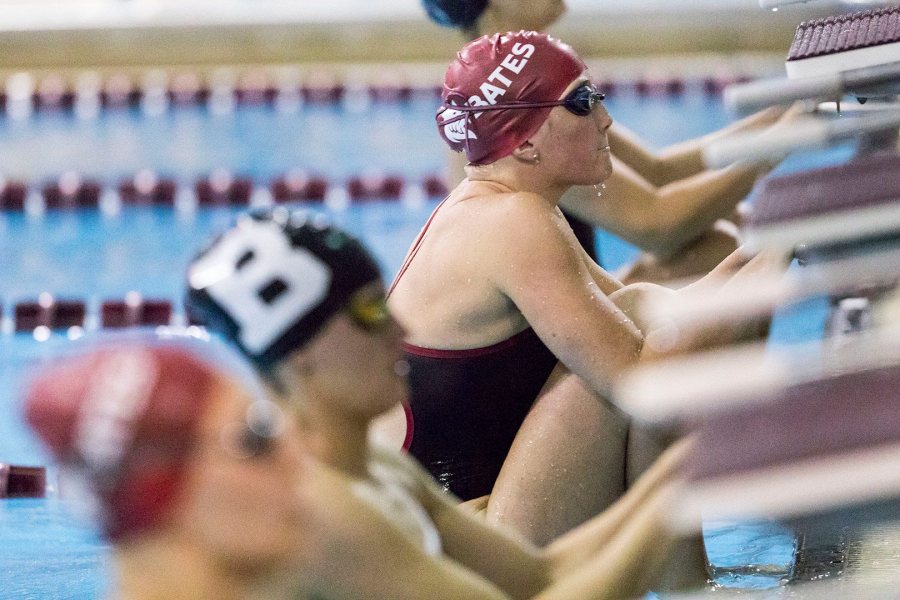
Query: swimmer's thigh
point(566, 464)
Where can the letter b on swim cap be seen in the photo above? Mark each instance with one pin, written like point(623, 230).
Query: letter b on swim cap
point(264, 283)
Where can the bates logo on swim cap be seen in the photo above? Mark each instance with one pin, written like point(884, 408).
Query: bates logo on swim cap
point(116, 395)
point(513, 67)
point(457, 130)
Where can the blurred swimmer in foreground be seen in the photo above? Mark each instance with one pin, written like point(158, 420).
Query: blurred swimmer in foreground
point(166, 450)
point(664, 202)
point(500, 302)
point(304, 301)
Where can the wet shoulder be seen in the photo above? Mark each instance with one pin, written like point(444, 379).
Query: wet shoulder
point(525, 215)
point(504, 212)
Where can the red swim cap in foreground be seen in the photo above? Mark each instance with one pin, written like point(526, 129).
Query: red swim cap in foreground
point(496, 70)
point(124, 422)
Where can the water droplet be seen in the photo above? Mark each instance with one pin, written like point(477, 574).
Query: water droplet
point(599, 189)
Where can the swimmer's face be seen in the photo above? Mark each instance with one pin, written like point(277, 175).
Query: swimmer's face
point(243, 511)
point(574, 148)
point(355, 363)
point(513, 15)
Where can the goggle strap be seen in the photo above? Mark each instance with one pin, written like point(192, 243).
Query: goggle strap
point(505, 105)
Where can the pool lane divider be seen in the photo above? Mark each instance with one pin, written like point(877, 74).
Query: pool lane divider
point(50, 314)
point(88, 94)
point(18, 481)
point(221, 188)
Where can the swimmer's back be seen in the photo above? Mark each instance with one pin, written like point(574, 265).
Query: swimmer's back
point(448, 294)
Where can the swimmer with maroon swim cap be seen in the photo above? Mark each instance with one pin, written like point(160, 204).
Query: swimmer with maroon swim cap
point(190, 477)
point(514, 335)
point(662, 201)
point(516, 79)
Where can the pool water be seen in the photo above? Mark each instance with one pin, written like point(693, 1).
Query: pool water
point(86, 254)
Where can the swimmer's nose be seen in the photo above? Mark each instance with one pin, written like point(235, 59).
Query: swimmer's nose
point(605, 120)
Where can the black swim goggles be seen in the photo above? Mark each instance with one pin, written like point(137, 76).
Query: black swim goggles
point(581, 101)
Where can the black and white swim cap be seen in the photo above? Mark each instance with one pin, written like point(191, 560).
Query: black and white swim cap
point(273, 280)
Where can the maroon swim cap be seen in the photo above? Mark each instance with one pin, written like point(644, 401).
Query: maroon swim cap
point(495, 70)
point(124, 422)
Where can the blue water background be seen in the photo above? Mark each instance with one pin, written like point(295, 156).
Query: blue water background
point(44, 551)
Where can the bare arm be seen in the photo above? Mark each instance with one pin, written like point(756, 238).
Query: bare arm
point(511, 563)
point(630, 564)
point(663, 338)
point(350, 550)
point(556, 293)
point(622, 535)
point(661, 203)
point(679, 160)
point(661, 220)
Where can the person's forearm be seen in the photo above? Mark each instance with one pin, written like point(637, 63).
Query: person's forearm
point(659, 168)
point(630, 564)
point(690, 207)
point(666, 339)
point(511, 564)
point(662, 220)
point(683, 159)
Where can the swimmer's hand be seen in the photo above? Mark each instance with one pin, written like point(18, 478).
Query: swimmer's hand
point(632, 297)
point(668, 332)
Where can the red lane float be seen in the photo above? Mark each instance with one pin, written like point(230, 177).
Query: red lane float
point(118, 91)
point(299, 186)
point(49, 312)
point(146, 188)
point(71, 191)
point(435, 187)
point(53, 93)
point(258, 87)
point(186, 89)
point(322, 88)
point(12, 195)
point(17, 481)
point(255, 87)
point(659, 87)
point(135, 311)
point(222, 188)
point(374, 187)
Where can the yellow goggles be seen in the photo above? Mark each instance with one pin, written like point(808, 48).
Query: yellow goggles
point(369, 311)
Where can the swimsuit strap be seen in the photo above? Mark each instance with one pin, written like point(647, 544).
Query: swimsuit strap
point(415, 248)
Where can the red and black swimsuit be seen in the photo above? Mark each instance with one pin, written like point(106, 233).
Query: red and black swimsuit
point(466, 406)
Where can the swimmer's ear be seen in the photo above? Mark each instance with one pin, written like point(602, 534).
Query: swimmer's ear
point(527, 153)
